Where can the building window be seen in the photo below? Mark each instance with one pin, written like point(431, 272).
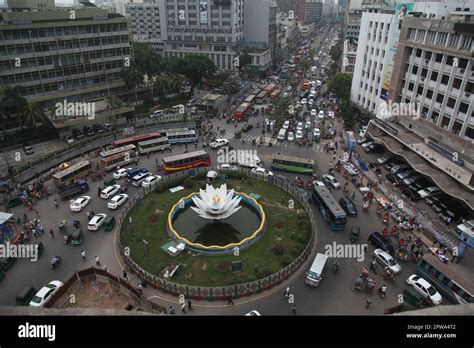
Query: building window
point(434, 76)
point(411, 85)
point(428, 55)
point(414, 70)
point(457, 83)
point(469, 132)
point(439, 57)
point(470, 87)
point(434, 116)
point(463, 107)
point(439, 98)
point(444, 79)
point(418, 52)
point(424, 72)
point(445, 121)
point(429, 94)
point(457, 126)
point(451, 102)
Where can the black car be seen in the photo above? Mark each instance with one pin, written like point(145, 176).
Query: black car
point(421, 184)
point(375, 148)
point(410, 193)
point(77, 133)
point(448, 216)
point(439, 207)
point(88, 131)
point(28, 149)
point(97, 128)
point(246, 127)
point(390, 163)
point(381, 242)
point(282, 178)
point(392, 178)
point(435, 198)
point(348, 206)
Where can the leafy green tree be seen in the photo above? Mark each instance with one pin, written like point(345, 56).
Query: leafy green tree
point(347, 114)
point(133, 79)
point(231, 85)
point(335, 53)
point(340, 84)
point(14, 104)
point(196, 67)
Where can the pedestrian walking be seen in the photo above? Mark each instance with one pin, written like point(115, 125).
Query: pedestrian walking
point(368, 302)
point(190, 307)
point(83, 255)
point(40, 228)
point(172, 312)
point(353, 195)
point(229, 301)
point(140, 288)
point(51, 233)
point(183, 308)
point(97, 261)
point(35, 233)
point(98, 191)
point(293, 309)
point(125, 275)
point(287, 292)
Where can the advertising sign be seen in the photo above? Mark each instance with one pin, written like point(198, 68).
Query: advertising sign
point(401, 11)
point(203, 12)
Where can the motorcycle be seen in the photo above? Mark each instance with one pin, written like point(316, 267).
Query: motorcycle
point(382, 291)
point(373, 266)
point(55, 261)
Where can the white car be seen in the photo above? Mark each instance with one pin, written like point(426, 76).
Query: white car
point(286, 124)
point(121, 173)
point(299, 134)
point(291, 136)
point(304, 101)
point(310, 102)
point(218, 143)
point(321, 114)
point(117, 201)
point(425, 289)
point(227, 166)
point(313, 112)
point(299, 126)
point(45, 293)
point(262, 172)
point(387, 260)
point(79, 203)
point(331, 181)
point(69, 139)
point(109, 191)
point(426, 192)
point(253, 314)
point(316, 133)
point(307, 125)
point(351, 169)
point(96, 222)
point(151, 180)
point(318, 183)
point(331, 114)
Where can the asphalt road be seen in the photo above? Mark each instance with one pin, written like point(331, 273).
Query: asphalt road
point(333, 296)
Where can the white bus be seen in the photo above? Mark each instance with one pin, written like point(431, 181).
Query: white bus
point(112, 159)
point(314, 276)
point(152, 145)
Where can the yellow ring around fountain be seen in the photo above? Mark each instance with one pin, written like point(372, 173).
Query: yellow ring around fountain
point(257, 231)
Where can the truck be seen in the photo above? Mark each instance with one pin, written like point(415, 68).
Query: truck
point(81, 186)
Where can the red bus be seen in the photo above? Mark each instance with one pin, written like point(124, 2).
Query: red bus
point(275, 94)
point(185, 161)
point(241, 111)
point(136, 139)
point(271, 87)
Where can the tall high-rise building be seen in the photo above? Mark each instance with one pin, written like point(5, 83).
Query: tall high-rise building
point(146, 24)
point(204, 27)
point(53, 57)
point(313, 11)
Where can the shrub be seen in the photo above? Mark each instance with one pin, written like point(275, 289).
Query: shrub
point(264, 272)
point(278, 249)
point(286, 260)
point(188, 183)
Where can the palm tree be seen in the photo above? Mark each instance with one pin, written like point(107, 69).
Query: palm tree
point(133, 79)
point(34, 113)
point(14, 104)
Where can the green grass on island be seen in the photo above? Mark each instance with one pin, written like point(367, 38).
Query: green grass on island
point(287, 234)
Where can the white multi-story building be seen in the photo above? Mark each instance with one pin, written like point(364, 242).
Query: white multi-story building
point(145, 23)
point(204, 27)
point(370, 60)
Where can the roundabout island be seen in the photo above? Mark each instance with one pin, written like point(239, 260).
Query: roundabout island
point(237, 231)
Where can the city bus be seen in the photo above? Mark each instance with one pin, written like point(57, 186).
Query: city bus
point(292, 164)
point(250, 99)
point(260, 99)
point(185, 161)
point(158, 144)
point(271, 87)
point(112, 159)
point(181, 136)
point(274, 95)
point(329, 208)
point(136, 139)
point(78, 170)
point(454, 281)
point(241, 111)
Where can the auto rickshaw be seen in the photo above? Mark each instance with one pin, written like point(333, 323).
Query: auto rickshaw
point(354, 235)
point(109, 182)
point(77, 237)
point(238, 135)
point(24, 296)
point(109, 224)
point(413, 298)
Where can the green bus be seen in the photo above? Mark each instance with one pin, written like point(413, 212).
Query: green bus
point(454, 281)
point(292, 164)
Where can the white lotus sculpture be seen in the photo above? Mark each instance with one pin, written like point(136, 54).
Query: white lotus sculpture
point(216, 203)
